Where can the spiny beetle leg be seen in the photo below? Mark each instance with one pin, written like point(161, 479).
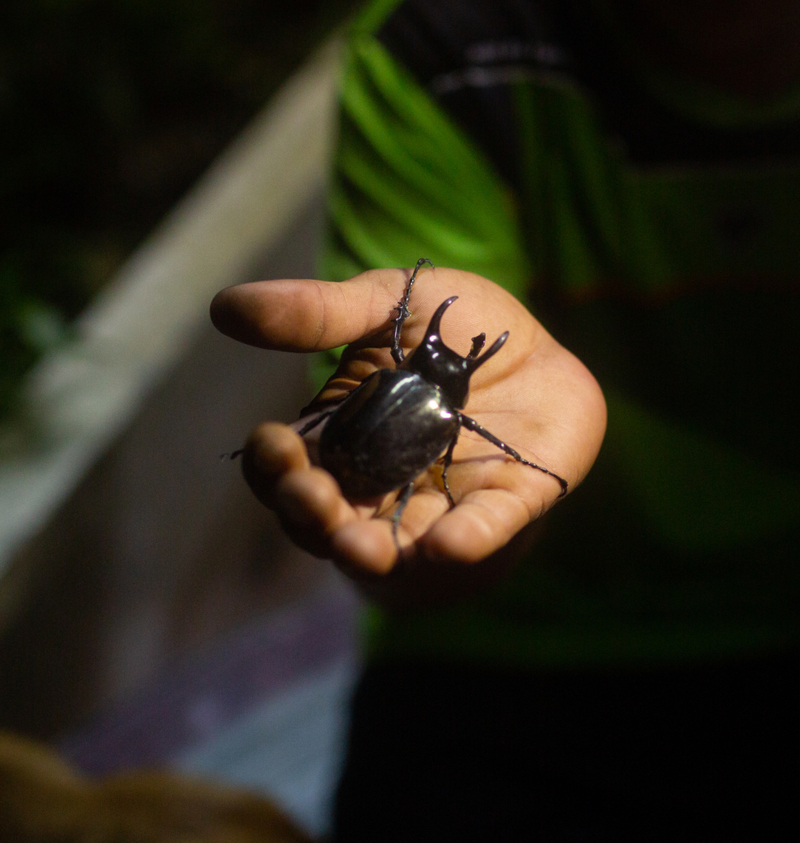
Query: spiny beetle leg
point(303, 430)
point(448, 459)
point(319, 419)
point(403, 313)
point(333, 405)
point(471, 424)
point(402, 501)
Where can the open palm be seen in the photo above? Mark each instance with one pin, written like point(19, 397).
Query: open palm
point(533, 394)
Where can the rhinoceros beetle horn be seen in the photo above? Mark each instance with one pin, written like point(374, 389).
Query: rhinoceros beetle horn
point(446, 368)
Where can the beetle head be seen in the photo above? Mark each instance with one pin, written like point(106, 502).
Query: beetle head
point(440, 365)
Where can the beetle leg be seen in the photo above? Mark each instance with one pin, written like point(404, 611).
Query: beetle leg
point(471, 424)
point(303, 430)
point(331, 404)
point(403, 314)
point(448, 458)
point(402, 500)
point(477, 344)
point(314, 422)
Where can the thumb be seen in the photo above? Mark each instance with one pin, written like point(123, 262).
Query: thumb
point(307, 315)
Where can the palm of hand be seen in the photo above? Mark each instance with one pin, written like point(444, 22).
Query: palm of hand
point(533, 394)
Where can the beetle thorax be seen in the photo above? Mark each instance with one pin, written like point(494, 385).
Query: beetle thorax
point(442, 366)
point(445, 368)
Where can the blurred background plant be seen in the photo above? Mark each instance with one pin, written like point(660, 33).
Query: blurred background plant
point(109, 111)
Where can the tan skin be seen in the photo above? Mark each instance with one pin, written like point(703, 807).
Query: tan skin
point(533, 394)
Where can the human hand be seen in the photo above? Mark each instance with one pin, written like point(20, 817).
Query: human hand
point(533, 394)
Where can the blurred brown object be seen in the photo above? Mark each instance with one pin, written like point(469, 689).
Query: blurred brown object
point(44, 800)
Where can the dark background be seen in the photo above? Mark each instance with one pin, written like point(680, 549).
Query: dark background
point(109, 111)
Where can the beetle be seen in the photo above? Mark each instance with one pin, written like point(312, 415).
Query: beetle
point(382, 435)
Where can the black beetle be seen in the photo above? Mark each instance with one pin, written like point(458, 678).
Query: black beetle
point(398, 422)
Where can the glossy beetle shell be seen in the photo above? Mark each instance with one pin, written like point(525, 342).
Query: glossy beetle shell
point(387, 431)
